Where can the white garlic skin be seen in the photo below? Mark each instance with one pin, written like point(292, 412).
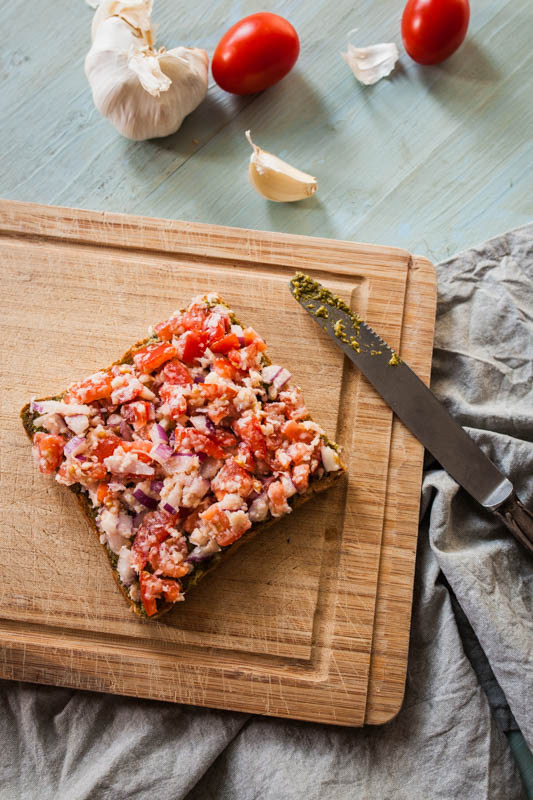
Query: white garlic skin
point(118, 93)
point(276, 180)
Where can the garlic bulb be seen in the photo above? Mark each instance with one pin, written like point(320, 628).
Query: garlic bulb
point(144, 92)
point(370, 64)
point(275, 179)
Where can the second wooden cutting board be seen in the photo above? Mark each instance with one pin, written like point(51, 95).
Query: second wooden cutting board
point(310, 620)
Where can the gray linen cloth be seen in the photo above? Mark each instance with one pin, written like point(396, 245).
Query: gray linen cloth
point(59, 744)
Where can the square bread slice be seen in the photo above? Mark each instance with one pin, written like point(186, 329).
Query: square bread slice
point(183, 449)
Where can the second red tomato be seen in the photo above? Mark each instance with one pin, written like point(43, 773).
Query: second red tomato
point(433, 29)
point(255, 53)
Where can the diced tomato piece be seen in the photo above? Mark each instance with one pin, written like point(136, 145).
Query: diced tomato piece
point(172, 395)
point(225, 438)
point(245, 456)
point(154, 529)
point(212, 391)
point(224, 368)
point(199, 442)
point(215, 324)
point(194, 318)
point(141, 448)
point(48, 451)
point(277, 499)
point(245, 358)
point(102, 492)
point(95, 387)
point(249, 430)
point(252, 337)
point(191, 521)
point(296, 432)
point(227, 343)
point(152, 588)
point(176, 373)
point(300, 477)
point(232, 479)
point(106, 446)
point(153, 355)
point(166, 330)
point(137, 413)
point(86, 472)
point(192, 345)
point(168, 558)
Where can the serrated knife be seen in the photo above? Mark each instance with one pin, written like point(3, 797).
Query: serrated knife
point(416, 406)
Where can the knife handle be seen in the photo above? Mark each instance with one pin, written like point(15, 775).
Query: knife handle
point(518, 519)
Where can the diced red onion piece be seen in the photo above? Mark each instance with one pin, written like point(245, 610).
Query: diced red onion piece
point(161, 452)
point(270, 373)
point(237, 330)
point(241, 340)
point(125, 525)
point(188, 455)
point(197, 559)
point(282, 378)
point(203, 424)
point(169, 508)
point(125, 431)
point(158, 434)
point(73, 445)
point(156, 487)
point(81, 458)
point(146, 500)
point(199, 379)
point(210, 467)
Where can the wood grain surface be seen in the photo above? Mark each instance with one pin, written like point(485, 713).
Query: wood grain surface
point(305, 618)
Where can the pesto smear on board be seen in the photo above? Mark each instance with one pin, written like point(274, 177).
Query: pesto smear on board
point(304, 287)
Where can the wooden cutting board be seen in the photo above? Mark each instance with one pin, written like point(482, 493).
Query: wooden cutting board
point(311, 619)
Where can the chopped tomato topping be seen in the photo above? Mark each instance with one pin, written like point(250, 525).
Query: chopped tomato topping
point(137, 413)
point(172, 394)
point(95, 387)
point(199, 442)
point(245, 456)
point(246, 357)
point(252, 337)
point(225, 369)
point(300, 477)
point(168, 558)
point(154, 529)
point(106, 446)
point(166, 330)
point(194, 318)
point(191, 521)
point(102, 492)
point(211, 391)
point(277, 497)
point(141, 448)
point(296, 432)
point(215, 324)
point(176, 373)
point(232, 479)
point(227, 343)
point(153, 355)
point(225, 438)
point(152, 588)
point(249, 430)
point(48, 451)
point(192, 345)
point(86, 472)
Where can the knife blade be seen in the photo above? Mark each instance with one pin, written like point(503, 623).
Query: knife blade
point(416, 405)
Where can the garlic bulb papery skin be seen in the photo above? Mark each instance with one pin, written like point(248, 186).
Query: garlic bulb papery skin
point(371, 64)
point(145, 93)
point(275, 179)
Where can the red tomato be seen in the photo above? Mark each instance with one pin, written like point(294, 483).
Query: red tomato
point(249, 430)
point(176, 373)
point(190, 438)
point(227, 343)
point(153, 355)
point(255, 53)
point(433, 29)
point(48, 451)
point(193, 344)
point(95, 387)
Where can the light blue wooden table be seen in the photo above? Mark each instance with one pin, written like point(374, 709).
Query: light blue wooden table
point(434, 159)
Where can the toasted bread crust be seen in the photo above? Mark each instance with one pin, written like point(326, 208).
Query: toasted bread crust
point(85, 504)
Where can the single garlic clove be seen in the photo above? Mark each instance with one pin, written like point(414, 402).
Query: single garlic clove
point(371, 64)
point(275, 179)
